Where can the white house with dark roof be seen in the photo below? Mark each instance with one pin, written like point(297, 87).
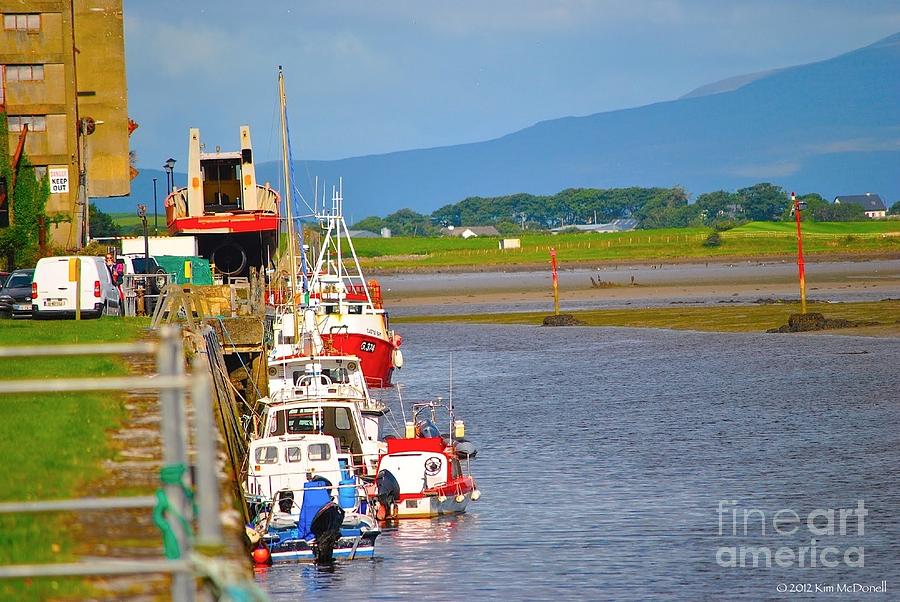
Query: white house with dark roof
point(470, 231)
point(872, 204)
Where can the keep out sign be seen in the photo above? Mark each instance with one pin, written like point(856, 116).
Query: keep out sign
point(59, 179)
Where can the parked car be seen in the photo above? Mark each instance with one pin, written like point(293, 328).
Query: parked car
point(15, 295)
point(53, 292)
point(139, 264)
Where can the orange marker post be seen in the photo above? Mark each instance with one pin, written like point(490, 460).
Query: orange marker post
point(797, 206)
point(555, 281)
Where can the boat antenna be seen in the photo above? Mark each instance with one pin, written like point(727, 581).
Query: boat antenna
point(288, 203)
point(400, 397)
point(450, 402)
point(316, 198)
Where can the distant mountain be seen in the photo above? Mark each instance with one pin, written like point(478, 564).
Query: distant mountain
point(831, 127)
point(729, 84)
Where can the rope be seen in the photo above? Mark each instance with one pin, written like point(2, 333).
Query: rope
point(172, 474)
point(226, 580)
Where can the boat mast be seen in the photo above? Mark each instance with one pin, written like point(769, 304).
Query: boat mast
point(337, 209)
point(288, 203)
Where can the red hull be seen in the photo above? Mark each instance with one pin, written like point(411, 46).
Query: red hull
point(375, 355)
point(225, 223)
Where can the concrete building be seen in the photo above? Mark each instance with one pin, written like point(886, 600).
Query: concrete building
point(62, 72)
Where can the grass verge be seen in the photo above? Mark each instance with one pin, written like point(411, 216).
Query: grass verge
point(53, 445)
point(722, 318)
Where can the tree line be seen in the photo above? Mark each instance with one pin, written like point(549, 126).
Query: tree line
point(650, 207)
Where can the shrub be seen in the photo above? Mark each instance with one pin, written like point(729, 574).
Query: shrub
point(713, 240)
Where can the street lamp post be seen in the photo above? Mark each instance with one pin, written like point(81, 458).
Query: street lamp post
point(796, 207)
point(169, 166)
point(155, 211)
point(142, 213)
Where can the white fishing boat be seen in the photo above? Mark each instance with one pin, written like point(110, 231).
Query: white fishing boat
point(327, 396)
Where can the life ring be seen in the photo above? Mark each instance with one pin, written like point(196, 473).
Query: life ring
point(397, 358)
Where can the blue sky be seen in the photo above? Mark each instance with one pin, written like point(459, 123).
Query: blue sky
point(370, 77)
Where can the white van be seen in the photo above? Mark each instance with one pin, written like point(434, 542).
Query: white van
point(53, 288)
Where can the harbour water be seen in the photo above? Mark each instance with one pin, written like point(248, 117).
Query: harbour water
point(621, 464)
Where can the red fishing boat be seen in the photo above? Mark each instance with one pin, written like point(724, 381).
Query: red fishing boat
point(341, 310)
point(424, 474)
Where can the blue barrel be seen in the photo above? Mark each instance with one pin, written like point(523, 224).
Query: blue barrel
point(347, 493)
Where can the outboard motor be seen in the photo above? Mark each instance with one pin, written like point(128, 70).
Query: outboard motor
point(326, 526)
point(388, 493)
point(466, 449)
point(285, 500)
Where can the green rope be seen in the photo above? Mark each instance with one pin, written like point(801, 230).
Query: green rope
point(171, 474)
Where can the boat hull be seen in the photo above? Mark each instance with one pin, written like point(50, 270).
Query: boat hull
point(431, 506)
point(375, 354)
point(299, 550)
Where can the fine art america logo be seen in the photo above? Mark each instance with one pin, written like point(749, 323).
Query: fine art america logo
point(738, 522)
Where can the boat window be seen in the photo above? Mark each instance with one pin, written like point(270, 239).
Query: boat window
point(293, 454)
point(276, 424)
point(354, 309)
point(267, 454)
point(300, 421)
point(298, 378)
point(455, 469)
point(318, 451)
point(337, 375)
point(342, 419)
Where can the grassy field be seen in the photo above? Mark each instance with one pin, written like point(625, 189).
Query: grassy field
point(128, 220)
point(816, 228)
point(720, 318)
point(757, 239)
point(53, 445)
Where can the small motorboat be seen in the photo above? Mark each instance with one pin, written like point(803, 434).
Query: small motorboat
point(322, 532)
point(306, 502)
point(421, 475)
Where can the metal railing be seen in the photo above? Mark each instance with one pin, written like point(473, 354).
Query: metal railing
point(172, 384)
point(143, 292)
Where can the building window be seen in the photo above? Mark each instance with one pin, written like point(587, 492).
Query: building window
point(36, 123)
point(22, 22)
point(24, 73)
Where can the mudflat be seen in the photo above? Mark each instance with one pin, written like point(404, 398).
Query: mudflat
point(635, 284)
point(727, 297)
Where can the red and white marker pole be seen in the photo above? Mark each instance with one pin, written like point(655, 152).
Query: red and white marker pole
point(800, 265)
point(555, 281)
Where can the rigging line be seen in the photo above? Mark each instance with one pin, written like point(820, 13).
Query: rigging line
point(272, 122)
point(298, 222)
point(291, 164)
